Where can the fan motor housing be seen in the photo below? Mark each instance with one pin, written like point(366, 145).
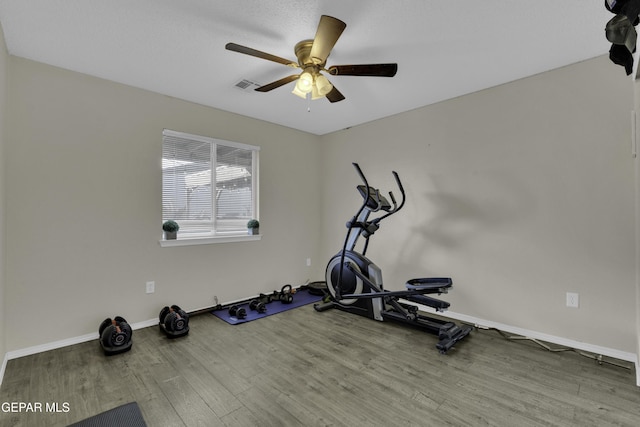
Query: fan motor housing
point(303, 53)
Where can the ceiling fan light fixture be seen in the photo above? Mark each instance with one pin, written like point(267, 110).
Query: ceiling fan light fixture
point(322, 85)
point(314, 93)
point(305, 82)
point(298, 92)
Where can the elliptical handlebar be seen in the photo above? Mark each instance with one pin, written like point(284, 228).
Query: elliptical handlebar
point(404, 197)
point(364, 203)
point(400, 186)
point(362, 177)
point(396, 208)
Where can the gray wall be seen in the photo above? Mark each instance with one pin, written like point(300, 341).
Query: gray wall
point(520, 193)
point(83, 199)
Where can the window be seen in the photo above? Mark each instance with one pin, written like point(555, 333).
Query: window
point(209, 186)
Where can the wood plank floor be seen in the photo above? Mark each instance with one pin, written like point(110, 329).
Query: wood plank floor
point(303, 368)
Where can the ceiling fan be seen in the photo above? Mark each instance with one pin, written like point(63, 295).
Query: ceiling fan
point(312, 57)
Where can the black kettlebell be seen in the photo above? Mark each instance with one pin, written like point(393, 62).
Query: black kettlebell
point(286, 294)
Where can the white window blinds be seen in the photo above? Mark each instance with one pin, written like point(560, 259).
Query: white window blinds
point(209, 186)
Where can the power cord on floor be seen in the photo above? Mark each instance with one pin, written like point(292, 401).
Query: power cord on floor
point(599, 358)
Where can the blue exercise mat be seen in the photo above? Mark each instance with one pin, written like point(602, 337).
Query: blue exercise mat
point(300, 298)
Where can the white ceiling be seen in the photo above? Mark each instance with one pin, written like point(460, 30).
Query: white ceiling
point(444, 49)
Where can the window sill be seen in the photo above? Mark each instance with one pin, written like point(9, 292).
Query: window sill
point(191, 241)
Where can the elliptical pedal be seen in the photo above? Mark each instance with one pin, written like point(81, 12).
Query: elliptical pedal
point(430, 285)
point(428, 301)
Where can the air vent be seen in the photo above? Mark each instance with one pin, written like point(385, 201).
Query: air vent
point(246, 85)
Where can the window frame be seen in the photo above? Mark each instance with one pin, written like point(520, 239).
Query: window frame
point(214, 235)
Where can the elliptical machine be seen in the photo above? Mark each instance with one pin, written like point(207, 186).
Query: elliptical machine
point(355, 282)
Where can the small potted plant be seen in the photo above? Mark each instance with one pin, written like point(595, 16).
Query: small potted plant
point(253, 227)
point(170, 228)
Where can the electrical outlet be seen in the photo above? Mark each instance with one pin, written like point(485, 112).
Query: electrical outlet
point(308, 262)
point(151, 287)
point(573, 300)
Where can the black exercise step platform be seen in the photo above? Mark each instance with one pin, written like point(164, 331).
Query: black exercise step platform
point(430, 285)
point(428, 301)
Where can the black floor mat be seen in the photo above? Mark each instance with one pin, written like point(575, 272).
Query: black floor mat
point(126, 415)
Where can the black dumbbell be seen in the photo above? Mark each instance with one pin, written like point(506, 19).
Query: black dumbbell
point(176, 319)
point(237, 311)
point(258, 306)
point(115, 333)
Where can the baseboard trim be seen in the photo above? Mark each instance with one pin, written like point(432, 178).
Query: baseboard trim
point(67, 342)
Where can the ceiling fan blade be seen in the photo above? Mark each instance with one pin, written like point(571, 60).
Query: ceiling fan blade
point(327, 34)
point(258, 54)
point(278, 83)
point(374, 70)
point(335, 95)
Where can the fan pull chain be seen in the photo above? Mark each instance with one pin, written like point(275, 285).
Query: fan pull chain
point(309, 102)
